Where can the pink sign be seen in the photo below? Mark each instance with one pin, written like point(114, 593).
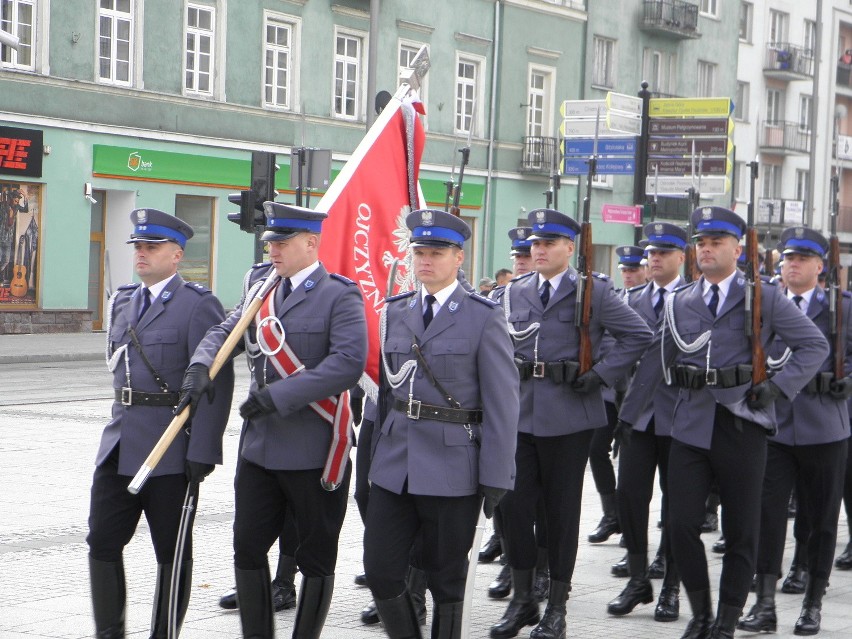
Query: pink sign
point(622, 214)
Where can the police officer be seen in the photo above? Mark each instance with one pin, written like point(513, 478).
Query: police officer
point(447, 438)
point(720, 421)
point(559, 412)
point(809, 450)
point(651, 439)
point(152, 329)
point(631, 265)
point(287, 441)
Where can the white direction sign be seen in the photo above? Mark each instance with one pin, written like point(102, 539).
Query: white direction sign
point(627, 103)
point(583, 108)
point(678, 186)
point(624, 122)
point(844, 147)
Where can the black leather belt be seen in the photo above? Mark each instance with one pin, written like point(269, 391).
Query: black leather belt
point(418, 410)
point(561, 372)
point(820, 385)
point(129, 397)
point(696, 378)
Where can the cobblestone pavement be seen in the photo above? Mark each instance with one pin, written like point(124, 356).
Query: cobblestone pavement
point(51, 417)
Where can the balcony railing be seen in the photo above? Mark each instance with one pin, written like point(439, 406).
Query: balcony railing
point(788, 61)
point(784, 137)
point(539, 154)
point(671, 18)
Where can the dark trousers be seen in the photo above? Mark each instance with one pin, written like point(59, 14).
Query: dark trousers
point(363, 457)
point(446, 527)
point(262, 498)
point(847, 492)
point(637, 466)
point(817, 471)
point(551, 469)
point(737, 460)
point(599, 461)
point(114, 513)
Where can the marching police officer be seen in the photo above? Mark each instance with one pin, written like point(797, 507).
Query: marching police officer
point(809, 450)
point(320, 317)
point(559, 412)
point(720, 421)
point(152, 329)
point(649, 444)
point(447, 438)
point(631, 265)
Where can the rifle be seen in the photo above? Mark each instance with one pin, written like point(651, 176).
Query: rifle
point(451, 183)
point(690, 268)
point(835, 300)
point(583, 310)
point(753, 292)
point(465, 156)
point(769, 257)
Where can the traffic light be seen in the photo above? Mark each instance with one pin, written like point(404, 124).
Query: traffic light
point(262, 189)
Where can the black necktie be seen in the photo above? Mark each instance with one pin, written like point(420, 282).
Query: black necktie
point(146, 302)
point(714, 299)
point(428, 314)
point(286, 289)
point(545, 293)
point(660, 301)
point(798, 300)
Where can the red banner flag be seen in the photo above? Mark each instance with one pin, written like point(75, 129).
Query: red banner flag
point(365, 237)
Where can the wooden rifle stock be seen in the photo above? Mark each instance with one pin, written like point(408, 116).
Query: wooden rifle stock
point(753, 281)
point(836, 304)
point(690, 272)
point(584, 262)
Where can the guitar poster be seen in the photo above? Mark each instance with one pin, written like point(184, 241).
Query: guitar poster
point(20, 219)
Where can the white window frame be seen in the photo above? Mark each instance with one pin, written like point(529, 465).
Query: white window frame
point(747, 17)
point(741, 104)
point(706, 79)
point(806, 105)
point(360, 71)
point(404, 72)
point(606, 46)
point(709, 8)
point(14, 27)
point(114, 17)
point(743, 181)
point(478, 85)
point(547, 99)
point(802, 179)
point(778, 27)
point(198, 32)
point(775, 106)
point(809, 37)
point(770, 181)
point(294, 24)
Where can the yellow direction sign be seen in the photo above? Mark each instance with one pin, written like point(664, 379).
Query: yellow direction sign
point(685, 107)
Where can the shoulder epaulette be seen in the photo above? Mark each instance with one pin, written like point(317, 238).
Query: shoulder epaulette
point(638, 287)
point(520, 277)
point(847, 294)
point(261, 265)
point(400, 296)
point(600, 276)
point(198, 288)
point(342, 278)
point(684, 287)
point(129, 287)
point(484, 300)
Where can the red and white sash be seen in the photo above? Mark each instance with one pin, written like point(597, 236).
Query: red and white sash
point(334, 410)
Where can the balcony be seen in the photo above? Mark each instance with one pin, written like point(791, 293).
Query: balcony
point(539, 154)
point(674, 19)
point(783, 138)
point(784, 61)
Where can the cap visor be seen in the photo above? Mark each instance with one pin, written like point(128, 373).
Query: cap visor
point(279, 236)
point(433, 243)
point(548, 236)
point(144, 238)
point(801, 251)
point(662, 247)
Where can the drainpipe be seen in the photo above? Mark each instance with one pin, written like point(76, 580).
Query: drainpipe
point(811, 210)
point(487, 247)
point(372, 60)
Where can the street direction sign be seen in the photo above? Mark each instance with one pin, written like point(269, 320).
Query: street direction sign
point(627, 103)
point(683, 166)
point(690, 107)
point(606, 146)
point(626, 123)
point(586, 129)
point(678, 186)
point(605, 166)
point(622, 214)
point(692, 126)
point(684, 146)
point(583, 108)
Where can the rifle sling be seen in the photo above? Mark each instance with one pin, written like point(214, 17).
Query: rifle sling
point(157, 378)
point(428, 371)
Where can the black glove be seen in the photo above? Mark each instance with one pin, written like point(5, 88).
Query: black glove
point(763, 395)
point(621, 436)
point(259, 403)
point(587, 382)
point(491, 497)
point(196, 382)
point(841, 388)
point(197, 471)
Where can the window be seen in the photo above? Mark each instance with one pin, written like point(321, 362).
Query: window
point(540, 101)
point(197, 211)
point(709, 7)
point(407, 53)
point(18, 18)
point(706, 79)
point(653, 70)
point(770, 181)
point(115, 41)
point(774, 106)
point(347, 76)
point(741, 101)
point(746, 17)
point(802, 185)
point(778, 27)
point(604, 60)
point(278, 62)
point(810, 37)
point(743, 181)
point(467, 94)
point(805, 107)
point(659, 68)
point(198, 75)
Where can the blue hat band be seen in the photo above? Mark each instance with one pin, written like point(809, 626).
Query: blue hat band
point(630, 260)
point(719, 226)
point(666, 239)
point(559, 229)
point(164, 231)
point(522, 244)
point(808, 245)
point(312, 226)
point(437, 233)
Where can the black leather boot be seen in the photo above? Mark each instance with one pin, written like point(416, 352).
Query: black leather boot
point(160, 614)
point(541, 586)
point(620, 569)
point(370, 614)
point(284, 585)
point(501, 587)
point(720, 546)
point(314, 601)
point(416, 584)
point(844, 561)
point(797, 578)
point(711, 522)
point(447, 620)
point(109, 594)
point(523, 608)
point(701, 624)
point(254, 596)
point(726, 621)
point(809, 620)
point(761, 617)
point(608, 525)
point(399, 617)
point(228, 600)
point(638, 589)
point(668, 605)
point(552, 624)
point(491, 550)
point(657, 569)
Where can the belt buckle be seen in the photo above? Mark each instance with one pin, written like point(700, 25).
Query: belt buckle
point(413, 409)
point(126, 396)
point(538, 370)
point(711, 377)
